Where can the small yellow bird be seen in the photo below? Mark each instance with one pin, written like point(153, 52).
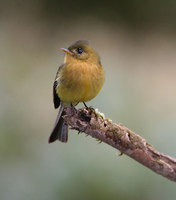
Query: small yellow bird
point(79, 79)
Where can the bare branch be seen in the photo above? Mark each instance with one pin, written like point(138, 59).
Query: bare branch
point(121, 138)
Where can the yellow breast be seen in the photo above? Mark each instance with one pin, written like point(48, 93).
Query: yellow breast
point(80, 82)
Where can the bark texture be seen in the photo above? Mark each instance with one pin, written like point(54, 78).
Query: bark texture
point(120, 137)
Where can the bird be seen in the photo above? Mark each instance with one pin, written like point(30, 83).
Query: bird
point(78, 79)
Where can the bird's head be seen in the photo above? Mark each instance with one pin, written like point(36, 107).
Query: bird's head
point(81, 51)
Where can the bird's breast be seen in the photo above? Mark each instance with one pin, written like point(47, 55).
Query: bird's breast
point(80, 82)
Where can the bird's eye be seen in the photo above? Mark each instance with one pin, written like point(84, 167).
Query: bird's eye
point(79, 50)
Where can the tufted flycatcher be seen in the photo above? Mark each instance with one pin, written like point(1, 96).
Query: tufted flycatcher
point(79, 79)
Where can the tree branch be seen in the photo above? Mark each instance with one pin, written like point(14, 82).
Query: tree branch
point(121, 138)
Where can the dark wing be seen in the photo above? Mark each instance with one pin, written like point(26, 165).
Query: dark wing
point(56, 98)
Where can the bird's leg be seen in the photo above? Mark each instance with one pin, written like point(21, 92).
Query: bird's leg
point(85, 105)
point(73, 106)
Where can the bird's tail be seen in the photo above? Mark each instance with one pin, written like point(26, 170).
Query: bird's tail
point(60, 130)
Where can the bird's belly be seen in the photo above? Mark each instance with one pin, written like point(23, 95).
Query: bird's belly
point(81, 84)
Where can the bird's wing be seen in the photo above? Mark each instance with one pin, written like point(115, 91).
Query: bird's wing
point(56, 98)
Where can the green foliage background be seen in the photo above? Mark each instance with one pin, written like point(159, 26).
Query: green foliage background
point(137, 44)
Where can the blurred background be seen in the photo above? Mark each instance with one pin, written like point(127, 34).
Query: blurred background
point(137, 44)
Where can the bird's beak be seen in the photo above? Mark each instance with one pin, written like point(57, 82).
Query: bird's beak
point(66, 51)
